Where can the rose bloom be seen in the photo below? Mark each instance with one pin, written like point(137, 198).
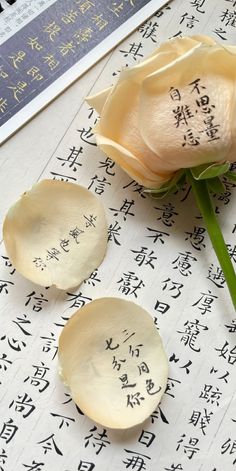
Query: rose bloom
point(174, 110)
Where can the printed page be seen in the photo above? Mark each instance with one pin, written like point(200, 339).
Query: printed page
point(159, 255)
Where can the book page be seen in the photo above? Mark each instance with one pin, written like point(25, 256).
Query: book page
point(159, 255)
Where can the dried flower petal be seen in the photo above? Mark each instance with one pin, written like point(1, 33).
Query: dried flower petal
point(112, 358)
point(56, 234)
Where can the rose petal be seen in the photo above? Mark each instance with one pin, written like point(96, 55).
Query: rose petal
point(163, 55)
point(119, 123)
point(216, 67)
point(130, 164)
point(97, 101)
point(112, 358)
point(50, 237)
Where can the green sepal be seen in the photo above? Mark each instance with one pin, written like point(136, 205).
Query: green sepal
point(205, 171)
point(215, 185)
point(174, 184)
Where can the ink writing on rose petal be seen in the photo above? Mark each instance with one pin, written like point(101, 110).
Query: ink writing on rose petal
point(126, 352)
point(66, 243)
point(185, 115)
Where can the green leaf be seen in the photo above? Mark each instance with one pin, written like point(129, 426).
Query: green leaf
point(213, 170)
point(215, 185)
point(231, 176)
point(204, 203)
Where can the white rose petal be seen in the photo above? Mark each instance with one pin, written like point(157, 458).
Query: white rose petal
point(112, 358)
point(56, 234)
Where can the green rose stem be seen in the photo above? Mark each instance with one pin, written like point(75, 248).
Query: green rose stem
point(202, 196)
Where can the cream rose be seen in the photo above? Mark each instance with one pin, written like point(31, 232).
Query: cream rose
point(174, 110)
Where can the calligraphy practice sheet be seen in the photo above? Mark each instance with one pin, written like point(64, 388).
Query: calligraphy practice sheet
point(159, 256)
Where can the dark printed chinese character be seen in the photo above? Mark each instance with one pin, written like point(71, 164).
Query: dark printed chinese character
point(137, 461)
point(143, 257)
point(38, 379)
point(127, 286)
point(8, 431)
point(168, 211)
point(99, 184)
point(183, 263)
point(63, 419)
point(34, 466)
point(146, 438)
point(190, 21)
point(171, 383)
point(124, 209)
point(198, 4)
point(87, 136)
point(86, 466)
point(229, 446)
point(8, 264)
point(149, 30)
point(13, 343)
point(49, 344)
point(71, 159)
point(211, 395)
point(93, 279)
point(78, 300)
point(216, 275)
point(49, 444)
point(133, 51)
point(99, 440)
point(24, 404)
point(173, 286)
point(190, 447)
point(114, 232)
point(205, 302)
point(37, 301)
point(20, 321)
point(4, 286)
point(228, 17)
point(196, 238)
point(227, 353)
point(200, 419)
point(174, 467)
point(4, 362)
point(157, 235)
point(137, 188)
point(192, 331)
point(158, 413)
point(108, 165)
point(62, 178)
point(161, 307)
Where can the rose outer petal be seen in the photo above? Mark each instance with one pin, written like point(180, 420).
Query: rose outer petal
point(119, 123)
point(216, 66)
point(130, 164)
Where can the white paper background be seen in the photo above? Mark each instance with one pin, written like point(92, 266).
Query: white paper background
point(194, 428)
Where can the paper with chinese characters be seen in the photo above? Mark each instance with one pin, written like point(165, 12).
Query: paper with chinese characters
point(46, 44)
point(159, 255)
